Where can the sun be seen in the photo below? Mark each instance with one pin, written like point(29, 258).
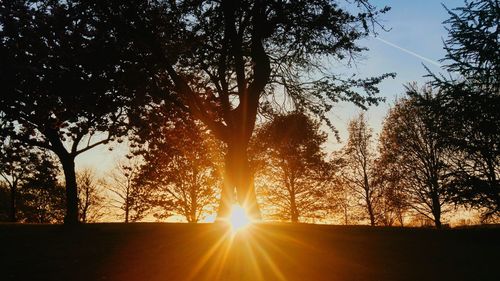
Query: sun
point(239, 218)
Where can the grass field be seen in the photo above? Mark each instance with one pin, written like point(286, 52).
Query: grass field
point(262, 252)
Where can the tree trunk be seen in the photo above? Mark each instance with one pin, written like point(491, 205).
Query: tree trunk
point(368, 196)
point(370, 212)
point(436, 212)
point(126, 213)
point(346, 215)
point(293, 208)
point(13, 202)
point(127, 202)
point(68, 164)
point(238, 184)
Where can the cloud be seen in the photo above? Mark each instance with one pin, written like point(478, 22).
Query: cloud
point(409, 52)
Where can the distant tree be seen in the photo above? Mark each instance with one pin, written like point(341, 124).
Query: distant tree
point(42, 196)
point(411, 145)
point(469, 103)
point(227, 60)
point(359, 154)
point(390, 178)
point(393, 205)
point(90, 196)
point(127, 194)
point(66, 80)
point(30, 190)
point(340, 202)
point(17, 165)
point(181, 167)
point(294, 172)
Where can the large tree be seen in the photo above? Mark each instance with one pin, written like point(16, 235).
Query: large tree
point(62, 78)
point(469, 103)
point(410, 142)
point(359, 171)
point(228, 60)
point(293, 170)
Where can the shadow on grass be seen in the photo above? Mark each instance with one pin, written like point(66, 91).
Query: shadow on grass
point(151, 251)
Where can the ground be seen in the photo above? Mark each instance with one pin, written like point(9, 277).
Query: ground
point(261, 252)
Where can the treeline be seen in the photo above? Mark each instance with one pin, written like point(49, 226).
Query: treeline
point(221, 103)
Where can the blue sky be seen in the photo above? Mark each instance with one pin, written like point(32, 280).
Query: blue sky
point(416, 26)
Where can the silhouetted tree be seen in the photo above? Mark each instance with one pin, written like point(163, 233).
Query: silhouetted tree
point(30, 187)
point(340, 200)
point(294, 172)
point(127, 194)
point(227, 60)
point(62, 78)
point(181, 167)
point(359, 154)
point(390, 178)
point(90, 196)
point(42, 196)
point(469, 105)
point(17, 165)
point(410, 142)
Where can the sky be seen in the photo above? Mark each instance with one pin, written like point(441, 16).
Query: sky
point(415, 38)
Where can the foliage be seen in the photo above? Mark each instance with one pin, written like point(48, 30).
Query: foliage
point(32, 192)
point(127, 195)
point(228, 60)
point(30, 189)
point(293, 172)
point(412, 148)
point(181, 167)
point(390, 178)
point(359, 166)
point(42, 197)
point(341, 203)
point(66, 80)
point(469, 105)
point(17, 166)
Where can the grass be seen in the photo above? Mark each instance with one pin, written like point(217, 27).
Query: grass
point(151, 251)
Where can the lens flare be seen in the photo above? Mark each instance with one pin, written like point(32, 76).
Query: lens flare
point(239, 218)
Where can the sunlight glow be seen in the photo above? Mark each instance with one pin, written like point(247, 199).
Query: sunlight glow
point(239, 218)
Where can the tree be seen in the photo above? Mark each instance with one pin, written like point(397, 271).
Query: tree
point(359, 171)
point(227, 60)
point(181, 167)
point(411, 144)
point(393, 205)
point(17, 166)
point(469, 103)
point(128, 195)
point(42, 196)
point(32, 192)
point(294, 172)
point(90, 198)
point(66, 80)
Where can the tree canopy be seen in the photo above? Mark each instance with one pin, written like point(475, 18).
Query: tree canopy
point(227, 61)
point(469, 103)
point(293, 171)
point(66, 80)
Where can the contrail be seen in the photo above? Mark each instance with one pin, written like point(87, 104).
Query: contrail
point(409, 52)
